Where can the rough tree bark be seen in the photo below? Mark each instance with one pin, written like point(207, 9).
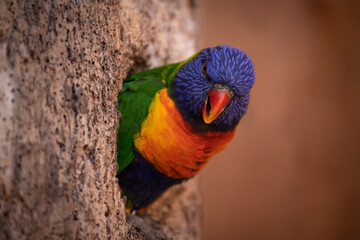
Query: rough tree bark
point(61, 67)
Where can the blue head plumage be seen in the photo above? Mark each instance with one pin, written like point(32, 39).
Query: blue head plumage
point(223, 66)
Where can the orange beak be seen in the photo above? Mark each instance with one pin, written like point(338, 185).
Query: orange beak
point(218, 98)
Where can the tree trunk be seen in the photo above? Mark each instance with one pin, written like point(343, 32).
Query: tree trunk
point(61, 68)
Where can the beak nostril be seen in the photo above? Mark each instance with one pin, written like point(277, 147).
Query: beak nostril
point(221, 86)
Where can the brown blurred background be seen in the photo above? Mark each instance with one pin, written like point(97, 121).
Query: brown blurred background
point(293, 169)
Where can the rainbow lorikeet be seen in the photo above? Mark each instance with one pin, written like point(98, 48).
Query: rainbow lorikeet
point(176, 117)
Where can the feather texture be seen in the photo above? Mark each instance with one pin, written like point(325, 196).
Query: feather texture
point(163, 138)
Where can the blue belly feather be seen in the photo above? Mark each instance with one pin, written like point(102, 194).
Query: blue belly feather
point(142, 183)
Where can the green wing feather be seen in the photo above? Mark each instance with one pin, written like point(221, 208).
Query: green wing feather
point(134, 100)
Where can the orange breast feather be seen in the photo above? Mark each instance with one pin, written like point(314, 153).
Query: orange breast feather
point(171, 145)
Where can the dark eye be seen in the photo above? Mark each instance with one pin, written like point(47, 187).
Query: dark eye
point(204, 70)
point(242, 96)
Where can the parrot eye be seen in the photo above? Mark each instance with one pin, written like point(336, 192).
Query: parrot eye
point(204, 70)
point(242, 96)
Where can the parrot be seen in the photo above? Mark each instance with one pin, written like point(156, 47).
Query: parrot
point(176, 117)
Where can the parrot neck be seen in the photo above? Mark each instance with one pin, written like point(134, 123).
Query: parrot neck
point(180, 151)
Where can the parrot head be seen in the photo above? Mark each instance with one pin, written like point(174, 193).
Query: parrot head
point(211, 90)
